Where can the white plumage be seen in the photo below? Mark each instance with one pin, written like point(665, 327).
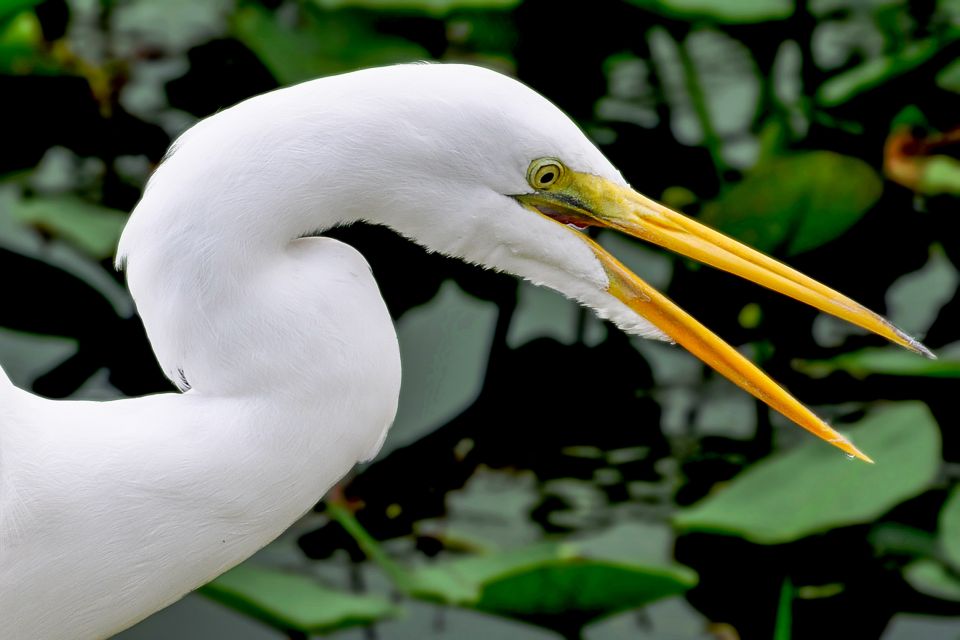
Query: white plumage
point(281, 342)
point(111, 511)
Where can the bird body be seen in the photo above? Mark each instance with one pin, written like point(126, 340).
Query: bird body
point(112, 510)
point(280, 342)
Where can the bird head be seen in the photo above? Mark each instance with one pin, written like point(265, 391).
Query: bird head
point(515, 182)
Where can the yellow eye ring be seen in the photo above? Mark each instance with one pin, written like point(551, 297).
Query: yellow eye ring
point(544, 173)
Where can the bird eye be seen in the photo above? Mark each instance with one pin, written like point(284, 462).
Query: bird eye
point(544, 173)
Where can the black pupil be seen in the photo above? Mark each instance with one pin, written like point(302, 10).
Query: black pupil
point(547, 177)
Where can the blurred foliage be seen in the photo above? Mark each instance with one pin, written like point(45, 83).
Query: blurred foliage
point(669, 505)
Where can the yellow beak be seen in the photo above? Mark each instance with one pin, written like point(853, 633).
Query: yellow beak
point(588, 200)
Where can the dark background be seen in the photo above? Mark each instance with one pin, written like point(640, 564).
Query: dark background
point(823, 132)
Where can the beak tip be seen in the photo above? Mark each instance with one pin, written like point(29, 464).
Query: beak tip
point(853, 452)
point(849, 449)
point(916, 346)
point(922, 350)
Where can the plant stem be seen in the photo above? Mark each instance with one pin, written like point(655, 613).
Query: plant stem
point(698, 101)
point(784, 624)
point(369, 545)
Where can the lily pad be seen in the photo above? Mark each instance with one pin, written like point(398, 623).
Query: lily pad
point(551, 593)
point(548, 582)
point(293, 602)
point(814, 488)
point(795, 203)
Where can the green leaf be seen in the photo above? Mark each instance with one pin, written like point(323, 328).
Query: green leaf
point(461, 582)
point(551, 593)
point(21, 45)
point(491, 512)
point(796, 203)
point(814, 487)
point(22, 239)
point(547, 583)
point(541, 312)
point(887, 361)
point(444, 347)
point(90, 227)
point(876, 72)
point(941, 175)
point(933, 579)
point(27, 356)
point(893, 538)
point(949, 77)
point(550, 582)
point(721, 11)
point(914, 301)
point(11, 7)
point(948, 533)
point(340, 41)
point(432, 7)
point(171, 25)
point(293, 602)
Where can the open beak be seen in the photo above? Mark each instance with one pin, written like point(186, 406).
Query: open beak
point(587, 200)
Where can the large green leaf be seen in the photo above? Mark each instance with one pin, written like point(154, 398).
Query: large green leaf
point(586, 590)
point(319, 46)
point(721, 11)
point(92, 228)
point(546, 582)
point(814, 488)
point(796, 203)
point(888, 361)
point(293, 602)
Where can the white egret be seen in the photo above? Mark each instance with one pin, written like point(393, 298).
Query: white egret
point(280, 341)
